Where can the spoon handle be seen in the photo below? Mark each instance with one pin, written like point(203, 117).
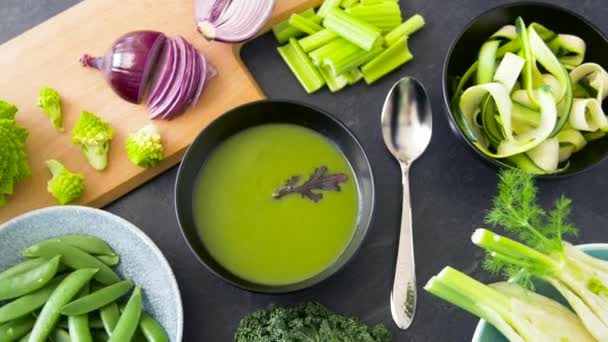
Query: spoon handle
point(403, 295)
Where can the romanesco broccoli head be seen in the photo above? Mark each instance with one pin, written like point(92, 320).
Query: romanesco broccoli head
point(50, 102)
point(65, 186)
point(7, 110)
point(13, 158)
point(144, 148)
point(93, 136)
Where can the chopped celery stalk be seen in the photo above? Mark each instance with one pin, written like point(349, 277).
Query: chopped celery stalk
point(352, 29)
point(374, 2)
point(487, 62)
point(353, 76)
point(316, 40)
point(326, 6)
point(349, 3)
point(306, 25)
point(408, 27)
point(385, 16)
point(389, 60)
point(301, 66)
point(337, 47)
point(283, 31)
point(334, 83)
point(339, 64)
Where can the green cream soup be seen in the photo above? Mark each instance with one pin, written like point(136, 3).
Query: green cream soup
point(266, 240)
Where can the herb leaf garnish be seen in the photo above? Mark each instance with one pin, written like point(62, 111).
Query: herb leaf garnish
point(319, 180)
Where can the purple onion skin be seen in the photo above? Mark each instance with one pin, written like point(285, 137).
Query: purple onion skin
point(129, 63)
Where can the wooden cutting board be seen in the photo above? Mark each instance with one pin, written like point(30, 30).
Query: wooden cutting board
point(48, 55)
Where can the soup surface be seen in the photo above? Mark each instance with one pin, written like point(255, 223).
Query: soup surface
point(266, 240)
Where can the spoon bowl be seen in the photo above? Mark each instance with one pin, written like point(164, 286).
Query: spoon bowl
point(407, 125)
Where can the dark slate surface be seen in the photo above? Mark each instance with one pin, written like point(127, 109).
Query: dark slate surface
point(450, 189)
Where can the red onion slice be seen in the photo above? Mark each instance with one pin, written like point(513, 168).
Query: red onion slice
point(232, 20)
point(168, 77)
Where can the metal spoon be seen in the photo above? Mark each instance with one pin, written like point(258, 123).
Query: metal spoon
point(406, 126)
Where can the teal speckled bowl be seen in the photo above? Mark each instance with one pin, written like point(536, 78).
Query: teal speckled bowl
point(141, 260)
point(485, 332)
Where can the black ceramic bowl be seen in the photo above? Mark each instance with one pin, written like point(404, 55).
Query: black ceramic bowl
point(259, 113)
point(465, 48)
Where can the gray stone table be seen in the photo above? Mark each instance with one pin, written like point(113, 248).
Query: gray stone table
point(451, 189)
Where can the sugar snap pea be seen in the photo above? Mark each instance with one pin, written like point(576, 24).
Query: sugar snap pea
point(129, 319)
point(109, 260)
point(28, 303)
point(78, 325)
point(72, 257)
point(15, 329)
point(87, 243)
point(60, 335)
point(28, 281)
point(25, 338)
point(98, 299)
point(22, 267)
point(109, 317)
point(94, 323)
point(51, 311)
point(151, 329)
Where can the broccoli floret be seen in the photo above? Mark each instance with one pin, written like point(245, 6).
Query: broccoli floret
point(50, 102)
point(13, 158)
point(65, 186)
point(144, 148)
point(93, 136)
point(306, 322)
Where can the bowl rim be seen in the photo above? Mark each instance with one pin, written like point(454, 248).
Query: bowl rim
point(482, 324)
point(164, 264)
point(305, 284)
point(447, 101)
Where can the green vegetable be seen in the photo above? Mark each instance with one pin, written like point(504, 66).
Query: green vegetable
point(129, 319)
point(26, 304)
point(144, 147)
point(73, 258)
point(28, 281)
point(22, 267)
point(97, 299)
point(87, 243)
point(109, 260)
point(337, 49)
point(301, 66)
point(338, 64)
point(389, 60)
point(486, 66)
point(306, 322)
point(349, 3)
point(334, 83)
point(326, 6)
point(545, 255)
point(51, 311)
point(407, 28)
point(385, 15)
point(151, 329)
point(318, 39)
point(50, 102)
point(13, 159)
point(65, 186)
point(352, 29)
point(93, 136)
point(15, 329)
point(109, 317)
point(304, 24)
point(518, 314)
point(78, 325)
point(283, 31)
point(60, 335)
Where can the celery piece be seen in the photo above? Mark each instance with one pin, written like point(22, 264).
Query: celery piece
point(349, 3)
point(306, 25)
point(301, 66)
point(316, 40)
point(374, 2)
point(353, 75)
point(339, 64)
point(352, 29)
point(283, 31)
point(326, 6)
point(385, 16)
point(339, 47)
point(334, 83)
point(391, 58)
point(413, 24)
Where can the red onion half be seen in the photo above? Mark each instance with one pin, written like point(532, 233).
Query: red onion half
point(231, 21)
point(145, 65)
